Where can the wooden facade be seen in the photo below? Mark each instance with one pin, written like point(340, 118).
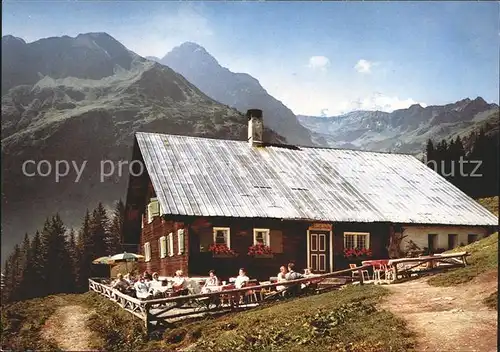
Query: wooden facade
point(319, 246)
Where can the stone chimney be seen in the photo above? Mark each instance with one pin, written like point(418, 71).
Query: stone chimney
point(255, 127)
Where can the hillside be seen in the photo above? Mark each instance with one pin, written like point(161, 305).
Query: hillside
point(339, 321)
point(64, 109)
point(404, 130)
point(238, 90)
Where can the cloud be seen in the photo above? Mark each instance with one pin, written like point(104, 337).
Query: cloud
point(364, 66)
point(381, 102)
point(319, 62)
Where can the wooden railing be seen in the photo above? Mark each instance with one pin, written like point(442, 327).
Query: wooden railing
point(153, 310)
point(405, 267)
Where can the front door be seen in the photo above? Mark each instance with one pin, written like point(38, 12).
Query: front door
point(319, 251)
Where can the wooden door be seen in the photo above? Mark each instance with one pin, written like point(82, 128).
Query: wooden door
point(319, 251)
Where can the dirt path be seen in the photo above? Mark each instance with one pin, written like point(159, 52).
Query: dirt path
point(448, 318)
point(67, 327)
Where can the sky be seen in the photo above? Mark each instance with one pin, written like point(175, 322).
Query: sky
point(318, 58)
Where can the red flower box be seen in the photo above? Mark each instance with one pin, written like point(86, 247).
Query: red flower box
point(222, 251)
point(260, 251)
point(355, 253)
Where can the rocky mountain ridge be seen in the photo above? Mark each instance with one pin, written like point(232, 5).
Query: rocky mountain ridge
point(238, 90)
point(81, 102)
point(403, 130)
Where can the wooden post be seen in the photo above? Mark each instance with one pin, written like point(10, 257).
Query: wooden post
point(147, 321)
point(361, 278)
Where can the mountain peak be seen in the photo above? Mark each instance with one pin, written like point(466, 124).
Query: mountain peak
point(194, 52)
point(10, 38)
point(415, 107)
point(191, 46)
point(95, 35)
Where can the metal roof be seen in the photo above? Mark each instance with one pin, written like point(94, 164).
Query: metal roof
point(214, 177)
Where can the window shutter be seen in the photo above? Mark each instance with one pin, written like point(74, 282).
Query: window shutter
point(171, 244)
point(147, 252)
point(276, 239)
point(180, 241)
point(163, 247)
point(153, 209)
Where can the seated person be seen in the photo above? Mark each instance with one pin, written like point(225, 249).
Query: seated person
point(210, 283)
point(155, 285)
point(120, 283)
point(142, 288)
point(180, 284)
point(308, 272)
point(242, 279)
point(281, 278)
point(128, 278)
point(293, 275)
point(240, 282)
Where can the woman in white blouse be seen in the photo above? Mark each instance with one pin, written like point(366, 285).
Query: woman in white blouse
point(281, 278)
point(211, 283)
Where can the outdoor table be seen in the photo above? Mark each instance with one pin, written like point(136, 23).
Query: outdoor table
point(376, 263)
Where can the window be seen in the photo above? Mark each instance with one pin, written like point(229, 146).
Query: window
point(358, 240)
point(472, 238)
point(180, 241)
point(163, 246)
point(153, 209)
point(222, 236)
point(147, 252)
point(452, 241)
point(170, 244)
point(261, 236)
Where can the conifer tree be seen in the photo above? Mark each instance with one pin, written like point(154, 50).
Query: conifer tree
point(37, 277)
point(84, 249)
point(99, 229)
point(115, 232)
point(25, 268)
point(73, 255)
point(55, 257)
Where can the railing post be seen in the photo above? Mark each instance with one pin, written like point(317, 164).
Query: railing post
point(148, 317)
point(361, 278)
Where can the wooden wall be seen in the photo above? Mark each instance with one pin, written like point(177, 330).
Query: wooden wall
point(288, 242)
point(151, 233)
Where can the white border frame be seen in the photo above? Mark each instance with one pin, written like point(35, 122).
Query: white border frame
point(228, 229)
point(309, 247)
point(367, 234)
point(267, 236)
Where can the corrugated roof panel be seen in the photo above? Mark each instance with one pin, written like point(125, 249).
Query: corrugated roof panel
point(212, 177)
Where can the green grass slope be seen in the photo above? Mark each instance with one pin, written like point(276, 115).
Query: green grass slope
point(345, 320)
point(490, 203)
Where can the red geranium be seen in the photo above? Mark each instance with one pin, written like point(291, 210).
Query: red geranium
point(221, 249)
point(355, 252)
point(258, 249)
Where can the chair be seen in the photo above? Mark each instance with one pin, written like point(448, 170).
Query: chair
point(356, 273)
point(251, 294)
point(378, 271)
point(389, 273)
